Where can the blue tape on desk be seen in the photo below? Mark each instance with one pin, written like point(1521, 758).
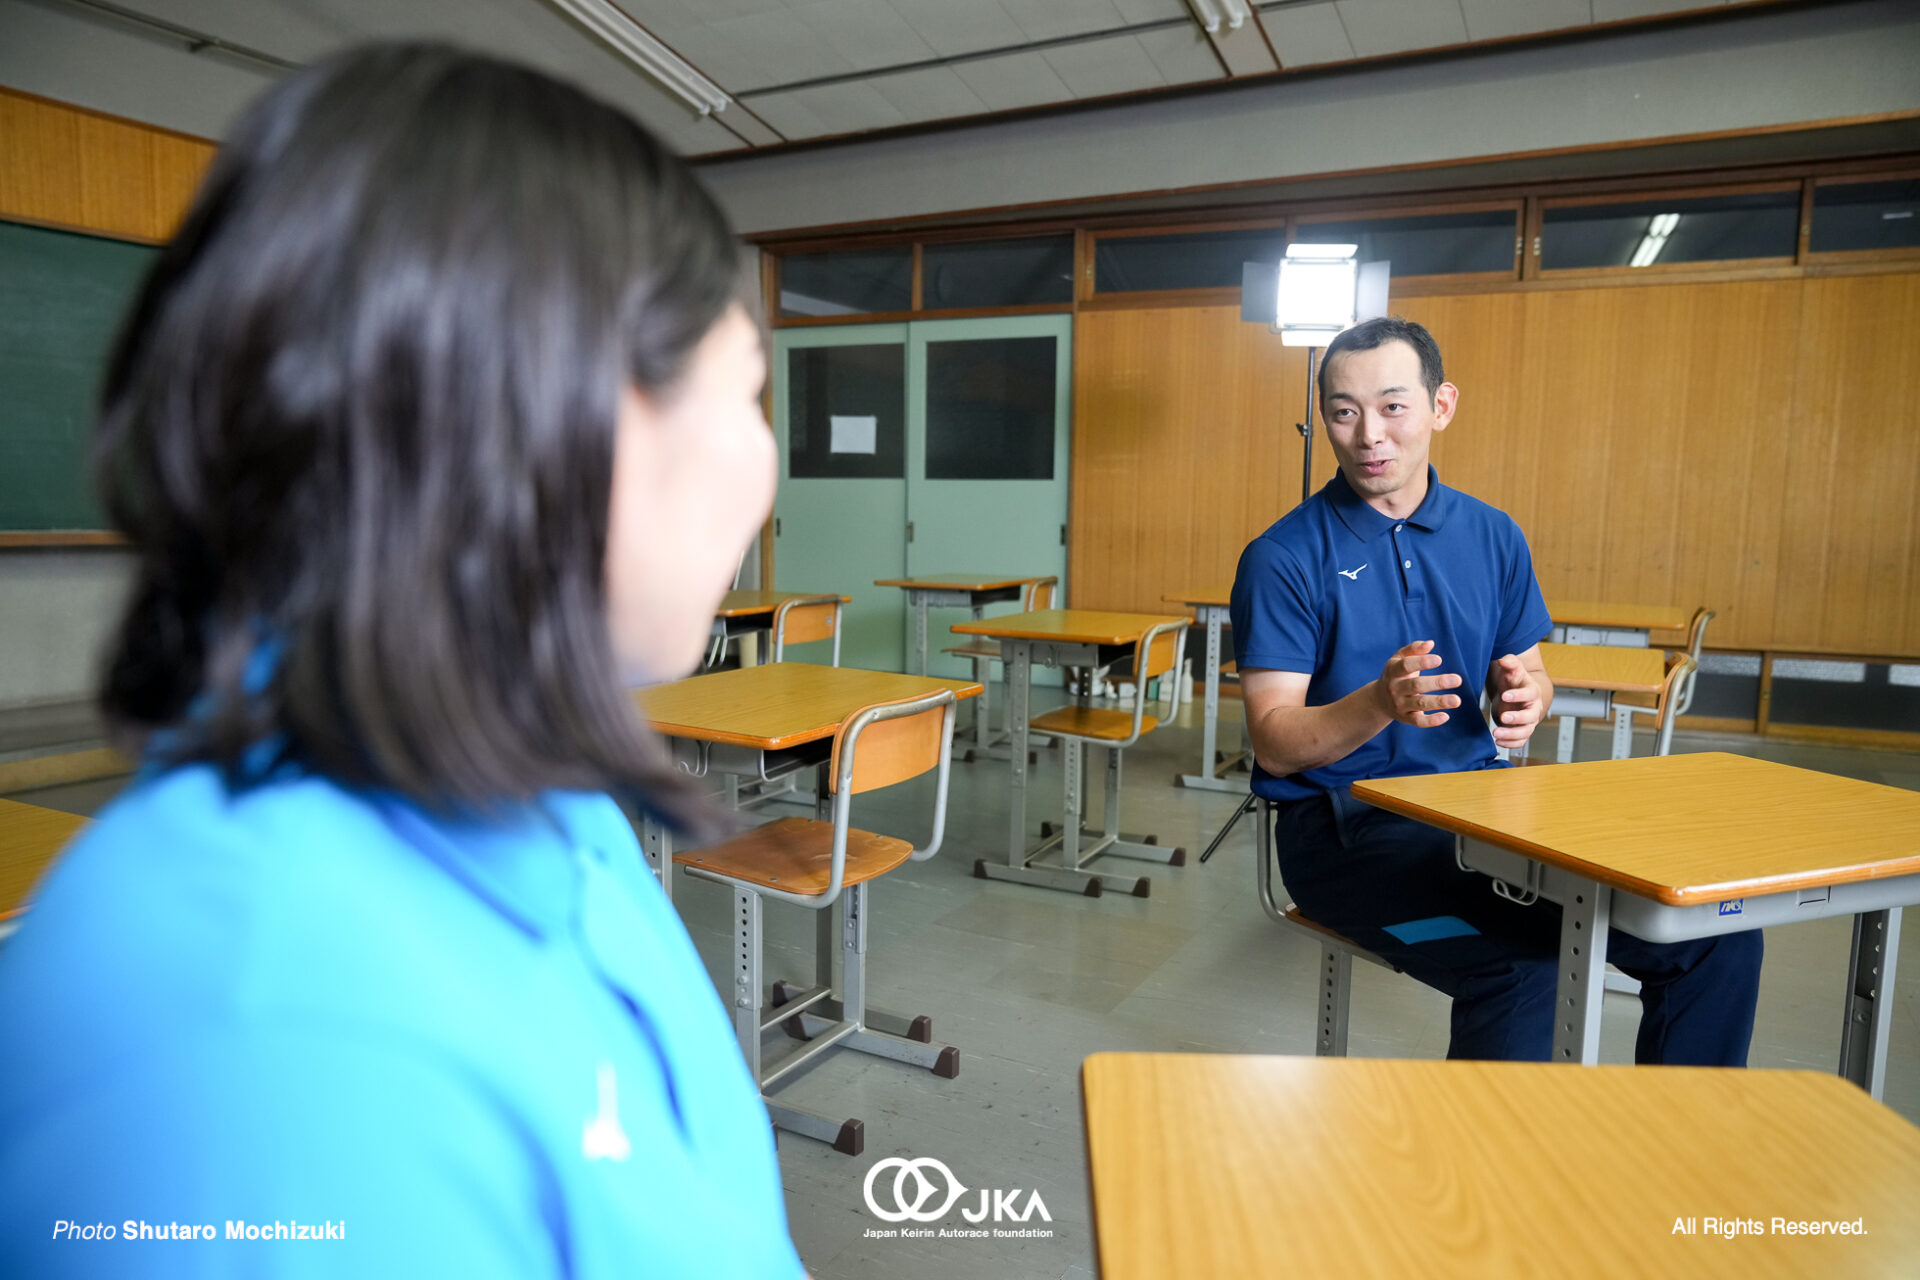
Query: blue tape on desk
point(1432, 929)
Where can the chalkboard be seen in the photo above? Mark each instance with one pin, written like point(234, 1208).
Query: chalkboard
point(61, 299)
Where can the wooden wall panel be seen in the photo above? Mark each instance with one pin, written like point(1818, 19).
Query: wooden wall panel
point(67, 167)
point(1850, 563)
point(1752, 446)
point(1184, 449)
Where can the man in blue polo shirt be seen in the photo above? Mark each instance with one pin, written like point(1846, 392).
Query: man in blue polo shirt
point(1361, 619)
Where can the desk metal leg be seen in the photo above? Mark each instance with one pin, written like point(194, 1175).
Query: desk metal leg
point(1017, 658)
point(1209, 779)
point(656, 843)
point(1569, 728)
point(1584, 919)
point(1622, 733)
point(1870, 975)
point(920, 630)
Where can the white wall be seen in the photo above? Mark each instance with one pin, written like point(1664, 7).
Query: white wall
point(1755, 70)
point(57, 608)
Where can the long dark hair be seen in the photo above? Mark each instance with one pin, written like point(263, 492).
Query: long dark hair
point(359, 431)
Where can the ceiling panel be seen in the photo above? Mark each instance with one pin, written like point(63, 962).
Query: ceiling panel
point(1378, 27)
point(1184, 55)
point(1152, 10)
point(787, 114)
point(936, 93)
point(869, 33)
point(1493, 19)
point(1614, 10)
point(1305, 34)
point(765, 49)
point(957, 27)
point(1016, 80)
point(1099, 67)
point(1051, 19)
point(850, 107)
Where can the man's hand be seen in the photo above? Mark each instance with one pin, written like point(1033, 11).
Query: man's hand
point(1517, 700)
point(1410, 696)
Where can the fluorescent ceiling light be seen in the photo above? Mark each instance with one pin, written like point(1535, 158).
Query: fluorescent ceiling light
point(608, 22)
point(1659, 228)
point(1207, 15)
point(1236, 13)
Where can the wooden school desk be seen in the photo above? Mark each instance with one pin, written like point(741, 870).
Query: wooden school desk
point(1209, 605)
point(751, 609)
point(761, 721)
point(1687, 846)
point(1598, 622)
point(974, 591)
point(30, 838)
point(1084, 638)
point(1585, 678)
point(1312, 1168)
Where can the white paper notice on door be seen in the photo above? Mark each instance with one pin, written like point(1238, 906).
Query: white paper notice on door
point(853, 434)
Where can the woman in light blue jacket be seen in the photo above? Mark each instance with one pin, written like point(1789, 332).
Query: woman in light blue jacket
point(435, 428)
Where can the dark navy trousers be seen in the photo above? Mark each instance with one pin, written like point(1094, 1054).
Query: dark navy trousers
point(1391, 884)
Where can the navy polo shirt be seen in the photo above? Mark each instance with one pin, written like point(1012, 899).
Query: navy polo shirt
point(1334, 588)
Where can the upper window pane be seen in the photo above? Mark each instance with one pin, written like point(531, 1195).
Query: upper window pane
point(997, 273)
point(847, 411)
point(990, 405)
point(1867, 215)
point(1644, 232)
point(1200, 260)
point(852, 282)
point(1438, 244)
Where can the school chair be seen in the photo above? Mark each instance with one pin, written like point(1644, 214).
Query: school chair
point(1078, 725)
point(817, 863)
point(983, 653)
point(1337, 952)
point(805, 619)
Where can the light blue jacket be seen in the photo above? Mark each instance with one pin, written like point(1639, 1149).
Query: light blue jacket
point(476, 1049)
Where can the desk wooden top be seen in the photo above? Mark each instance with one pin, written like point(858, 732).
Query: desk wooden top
point(780, 704)
point(30, 837)
point(1069, 626)
point(1220, 1165)
point(738, 604)
point(958, 582)
point(1217, 595)
point(1607, 667)
point(1634, 617)
point(1677, 829)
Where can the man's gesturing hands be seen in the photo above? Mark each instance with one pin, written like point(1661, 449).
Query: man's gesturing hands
point(1411, 696)
point(1516, 702)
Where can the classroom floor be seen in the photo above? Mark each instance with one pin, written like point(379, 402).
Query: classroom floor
point(1028, 981)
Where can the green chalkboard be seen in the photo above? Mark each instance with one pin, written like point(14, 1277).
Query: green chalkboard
point(61, 299)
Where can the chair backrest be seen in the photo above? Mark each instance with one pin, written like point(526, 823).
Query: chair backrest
point(1677, 683)
point(1162, 653)
point(1039, 594)
point(805, 619)
point(1696, 641)
point(890, 742)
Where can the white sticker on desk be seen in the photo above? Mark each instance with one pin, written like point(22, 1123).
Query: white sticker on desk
point(853, 434)
point(1732, 906)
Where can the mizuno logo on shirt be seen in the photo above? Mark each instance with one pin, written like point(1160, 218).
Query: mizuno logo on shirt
point(1351, 573)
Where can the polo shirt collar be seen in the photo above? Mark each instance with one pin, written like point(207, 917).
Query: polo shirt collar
point(1366, 523)
point(517, 862)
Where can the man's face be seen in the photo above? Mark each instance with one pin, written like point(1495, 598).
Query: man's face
point(1381, 421)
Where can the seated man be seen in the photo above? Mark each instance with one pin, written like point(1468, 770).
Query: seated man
point(1359, 618)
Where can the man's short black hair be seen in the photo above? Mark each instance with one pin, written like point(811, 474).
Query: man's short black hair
point(1369, 334)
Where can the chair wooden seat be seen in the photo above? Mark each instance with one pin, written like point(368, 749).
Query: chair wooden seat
point(975, 651)
point(1293, 913)
point(1091, 722)
point(796, 854)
